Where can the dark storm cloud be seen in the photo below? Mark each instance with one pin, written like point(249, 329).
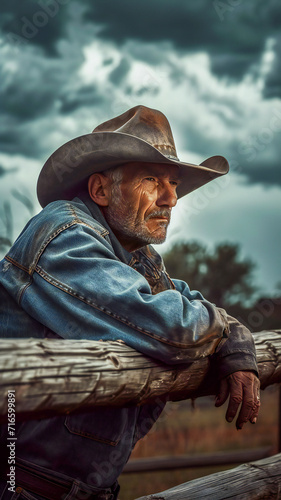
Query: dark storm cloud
point(33, 89)
point(234, 34)
point(272, 86)
point(36, 89)
point(40, 22)
point(267, 173)
point(258, 156)
point(72, 99)
point(30, 86)
point(260, 168)
point(248, 137)
point(21, 138)
point(28, 95)
point(149, 51)
point(233, 65)
point(120, 72)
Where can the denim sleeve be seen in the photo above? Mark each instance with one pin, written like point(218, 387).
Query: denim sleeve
point(235, 353)
point(81, 290)
point(184, 289)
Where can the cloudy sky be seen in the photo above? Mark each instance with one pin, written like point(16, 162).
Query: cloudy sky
point(214, 69)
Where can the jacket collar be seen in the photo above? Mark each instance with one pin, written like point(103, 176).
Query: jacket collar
point(96, 213)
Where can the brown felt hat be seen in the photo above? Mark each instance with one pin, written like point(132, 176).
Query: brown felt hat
point(140, 134)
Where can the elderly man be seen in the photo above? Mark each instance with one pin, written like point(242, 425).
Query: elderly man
point(82, 269)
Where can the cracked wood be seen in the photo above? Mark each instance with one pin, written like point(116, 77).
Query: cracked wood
point(252, 481)
point(54, 376)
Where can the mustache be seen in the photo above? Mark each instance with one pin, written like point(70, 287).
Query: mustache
point(163, 212)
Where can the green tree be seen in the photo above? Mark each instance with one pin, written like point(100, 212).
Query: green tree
point(221, 275)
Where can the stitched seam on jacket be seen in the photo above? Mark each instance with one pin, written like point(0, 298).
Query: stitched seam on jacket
point(75, 221)
point(102, 233)
point(53, 235)
point(75, 294)
point(47, 241)
point(23, 269)
point(16, 264)
point(31, 269)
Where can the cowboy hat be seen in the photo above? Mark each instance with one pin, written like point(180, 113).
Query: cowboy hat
point(140, 134)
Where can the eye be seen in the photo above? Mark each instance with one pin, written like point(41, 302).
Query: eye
point(174, 183)
point(152, 179)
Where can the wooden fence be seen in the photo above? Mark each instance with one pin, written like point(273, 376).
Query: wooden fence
point(252, 481)
point(55, 376)
point(58, 376)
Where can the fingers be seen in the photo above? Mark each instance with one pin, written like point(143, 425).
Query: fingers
point(257, 404)
point(236, 397)
point(248, 406)
point(223, 393)
point(244, 391)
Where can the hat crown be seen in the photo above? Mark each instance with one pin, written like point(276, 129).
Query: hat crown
point(147, 124)
point(140, 135)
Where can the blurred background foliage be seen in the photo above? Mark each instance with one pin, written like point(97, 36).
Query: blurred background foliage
point(225, 279)
point(186, 428)
point(220, 275)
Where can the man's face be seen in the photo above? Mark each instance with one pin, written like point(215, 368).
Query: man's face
point(139, 213)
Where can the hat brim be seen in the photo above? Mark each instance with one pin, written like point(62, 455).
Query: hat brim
point(69, 167)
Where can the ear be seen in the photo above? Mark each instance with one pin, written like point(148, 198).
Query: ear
point(98, 187)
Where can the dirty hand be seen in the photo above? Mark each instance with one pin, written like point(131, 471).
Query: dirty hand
point(243, 388)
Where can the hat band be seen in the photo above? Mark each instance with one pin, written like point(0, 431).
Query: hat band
point(163, 148)
point(172, 157)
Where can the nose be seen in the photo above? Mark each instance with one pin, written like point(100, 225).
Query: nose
point(167, 196)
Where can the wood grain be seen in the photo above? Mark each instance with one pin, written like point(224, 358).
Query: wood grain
point(54, 376)
point(259, 480)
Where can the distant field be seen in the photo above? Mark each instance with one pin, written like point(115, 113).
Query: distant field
point(182, 429)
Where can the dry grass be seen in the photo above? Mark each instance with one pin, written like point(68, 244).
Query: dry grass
point(184, 430)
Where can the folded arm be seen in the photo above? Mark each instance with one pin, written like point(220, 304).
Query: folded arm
point(234, 364)
point(80, 289)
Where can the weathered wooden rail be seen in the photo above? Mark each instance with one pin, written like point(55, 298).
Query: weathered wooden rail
point(252, 481)
point(176, 462)
point(58, 376)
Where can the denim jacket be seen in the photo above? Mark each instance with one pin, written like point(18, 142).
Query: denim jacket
point(67, 276)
